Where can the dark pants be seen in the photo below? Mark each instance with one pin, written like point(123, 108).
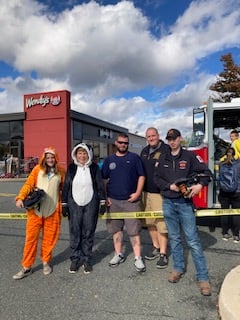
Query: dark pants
point(82, 226)
point(230, 200)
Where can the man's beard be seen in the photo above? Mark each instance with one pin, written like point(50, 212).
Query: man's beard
point(122, 151)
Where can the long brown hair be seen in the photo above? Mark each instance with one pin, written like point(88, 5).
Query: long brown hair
point(43, 164)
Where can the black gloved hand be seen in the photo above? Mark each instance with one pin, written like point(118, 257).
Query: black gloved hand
point(102, 207)
point(65, 211)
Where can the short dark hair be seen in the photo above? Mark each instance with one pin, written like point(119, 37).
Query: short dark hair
point(122, 135)
point(234, 131)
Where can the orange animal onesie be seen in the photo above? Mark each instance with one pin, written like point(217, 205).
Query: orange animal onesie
point(47, 218)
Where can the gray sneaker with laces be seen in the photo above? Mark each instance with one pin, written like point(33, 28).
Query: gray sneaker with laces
point(22, 274)
point(139, 264)
point(116, 260)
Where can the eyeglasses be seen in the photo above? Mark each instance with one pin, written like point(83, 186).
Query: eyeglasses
point(123, 142)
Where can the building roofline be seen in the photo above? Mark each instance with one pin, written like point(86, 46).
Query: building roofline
point(75, 115)
point(12, 116)
point(89, 119)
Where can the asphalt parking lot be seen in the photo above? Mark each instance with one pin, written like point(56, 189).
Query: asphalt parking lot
point(107, 293)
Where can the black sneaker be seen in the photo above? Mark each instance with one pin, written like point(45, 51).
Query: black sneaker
point(73, 267)
point(154, 254)
point(162, 262)
point(87, 268)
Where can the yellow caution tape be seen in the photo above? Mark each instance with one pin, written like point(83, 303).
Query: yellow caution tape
point(217, 212)
point(7, 194)
point(13, 215)
point(159, 214)
point(132, 215)
point(140, 214)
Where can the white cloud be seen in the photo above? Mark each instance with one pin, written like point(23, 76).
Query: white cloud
point(192, 94)
point(100, 52)
point(11, 99)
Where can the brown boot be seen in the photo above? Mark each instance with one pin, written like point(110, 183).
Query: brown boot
point(175, 276)
point(205, 288)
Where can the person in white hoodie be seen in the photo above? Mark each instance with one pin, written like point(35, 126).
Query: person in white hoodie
point(83, 198)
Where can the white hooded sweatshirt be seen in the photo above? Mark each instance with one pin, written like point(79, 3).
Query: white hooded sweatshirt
point(82, 187)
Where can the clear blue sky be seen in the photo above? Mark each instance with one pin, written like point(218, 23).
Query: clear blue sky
point(136, 63)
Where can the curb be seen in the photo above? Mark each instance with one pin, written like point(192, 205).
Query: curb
point(229, 297)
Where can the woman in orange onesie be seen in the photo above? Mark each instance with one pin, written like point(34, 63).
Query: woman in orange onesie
point(49, 176)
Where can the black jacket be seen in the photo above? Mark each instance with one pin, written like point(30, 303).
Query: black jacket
point(98, 186)
point(184, 165)
point(150, 161)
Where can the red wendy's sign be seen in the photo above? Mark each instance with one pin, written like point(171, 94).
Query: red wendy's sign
point(47, 123)
point(42, 100)
point(46, 104)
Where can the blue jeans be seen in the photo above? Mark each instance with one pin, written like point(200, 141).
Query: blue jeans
point(179, 215)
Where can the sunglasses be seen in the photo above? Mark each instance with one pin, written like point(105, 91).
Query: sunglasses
point(122, 142)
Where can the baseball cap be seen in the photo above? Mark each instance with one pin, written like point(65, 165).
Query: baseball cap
point(173, 134)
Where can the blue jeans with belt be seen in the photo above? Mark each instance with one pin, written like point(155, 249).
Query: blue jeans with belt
point(179, 215)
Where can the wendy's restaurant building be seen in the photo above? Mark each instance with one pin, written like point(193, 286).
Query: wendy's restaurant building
point(48, 120)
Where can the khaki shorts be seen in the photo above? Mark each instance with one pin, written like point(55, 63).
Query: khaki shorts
point(153, 202)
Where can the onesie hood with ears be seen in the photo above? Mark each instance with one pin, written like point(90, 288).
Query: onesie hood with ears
point(50, 150)
point(89, 151)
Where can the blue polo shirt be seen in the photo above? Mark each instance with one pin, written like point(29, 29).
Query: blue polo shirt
point(123, 173)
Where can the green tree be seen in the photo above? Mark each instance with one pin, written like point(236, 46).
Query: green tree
point(227, 85)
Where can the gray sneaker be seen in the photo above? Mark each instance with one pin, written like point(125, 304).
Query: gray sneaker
point(116, 260)
point(139, 264)
point(22, 274)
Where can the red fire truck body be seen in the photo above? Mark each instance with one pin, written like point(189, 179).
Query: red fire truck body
point(212, 124)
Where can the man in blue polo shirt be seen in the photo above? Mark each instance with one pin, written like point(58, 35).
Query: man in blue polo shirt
point(124, 177)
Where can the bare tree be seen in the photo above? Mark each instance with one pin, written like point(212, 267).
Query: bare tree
point(227, 85)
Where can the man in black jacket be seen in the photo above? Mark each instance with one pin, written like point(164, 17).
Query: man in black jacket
point(178, 209)
point(152, 199)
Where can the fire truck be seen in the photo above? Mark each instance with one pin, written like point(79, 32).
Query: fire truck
point(212, 123)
